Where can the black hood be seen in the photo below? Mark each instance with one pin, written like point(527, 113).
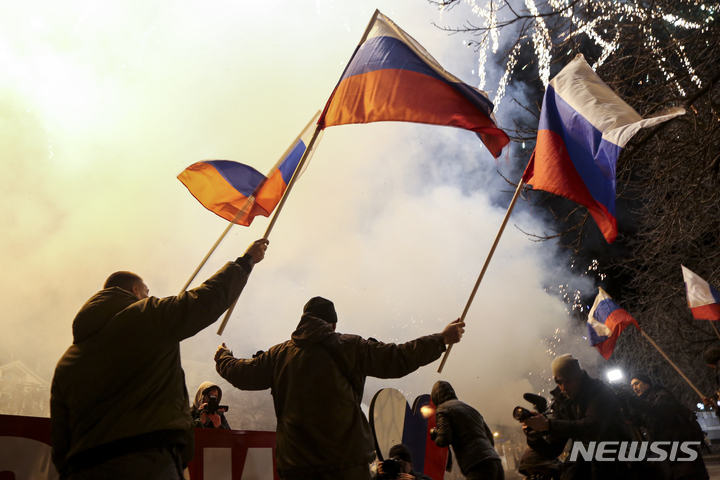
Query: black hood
point(442, 391)
point(97, 312)
point(311, 330)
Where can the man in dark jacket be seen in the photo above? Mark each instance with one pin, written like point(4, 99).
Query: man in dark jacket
point(460, 425)
point(119, 407)
point(317, 380)
point(592, 413)
point(666, 419)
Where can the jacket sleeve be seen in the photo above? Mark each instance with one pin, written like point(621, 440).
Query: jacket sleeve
point(443, 428)
point(489, 433)
point(599, 411)
point(252, 374)
point(547, 446)
point(389, 360)
point(183, 316)
point(224, 425)
point(59, 431)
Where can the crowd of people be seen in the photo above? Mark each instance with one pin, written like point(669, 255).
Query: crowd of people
point(120, 408)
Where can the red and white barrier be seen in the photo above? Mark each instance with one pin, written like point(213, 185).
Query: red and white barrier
point(219, 454)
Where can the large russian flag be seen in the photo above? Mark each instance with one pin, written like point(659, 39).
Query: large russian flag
point(583, 127)
point(606, 321)
point(237, 192)
point(702, 298)
point(391, 77)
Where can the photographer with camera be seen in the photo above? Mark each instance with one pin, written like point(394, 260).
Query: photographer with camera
point(591, 413)
point(399, 465)
point(206, 410)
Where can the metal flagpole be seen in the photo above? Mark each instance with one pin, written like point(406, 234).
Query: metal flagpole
point(278, 209)
point(485, 266)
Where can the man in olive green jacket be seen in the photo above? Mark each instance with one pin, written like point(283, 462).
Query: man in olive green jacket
point(317, 380)
point(119, 407)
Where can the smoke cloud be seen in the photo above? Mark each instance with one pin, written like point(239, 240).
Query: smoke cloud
point(102, 105)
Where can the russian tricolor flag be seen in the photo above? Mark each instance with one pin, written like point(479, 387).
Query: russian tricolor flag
point(606, 321)
point(238, 192)
point(702, 298)
point(583, 127)
point(391, 77)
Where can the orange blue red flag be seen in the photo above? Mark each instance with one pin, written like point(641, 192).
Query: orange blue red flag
point(238, 192)
point(391, 77)
point(606, 321)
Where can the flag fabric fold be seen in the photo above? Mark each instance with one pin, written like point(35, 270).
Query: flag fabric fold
point(583, 127)
point(606, 321)
point(391, 77)
point(702, 298)
point(238, 192)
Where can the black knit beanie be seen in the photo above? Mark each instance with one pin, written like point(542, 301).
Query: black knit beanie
point(643, 378)
point(321, 308)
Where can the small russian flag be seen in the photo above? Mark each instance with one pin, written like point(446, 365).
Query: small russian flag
point(702, 298)
point(606, 321)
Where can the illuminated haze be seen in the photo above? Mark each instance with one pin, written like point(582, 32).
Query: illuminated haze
point(103, 104)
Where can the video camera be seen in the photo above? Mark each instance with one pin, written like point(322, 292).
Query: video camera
point(212, 406)
point(392, 467)
point(538, 402)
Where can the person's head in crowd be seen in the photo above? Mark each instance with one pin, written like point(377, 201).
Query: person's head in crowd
point(128, 281)
point(205, 391)
point(640, 383)
point(402, 452)
point(323, 309)
point(712, 356)
point(568, 374)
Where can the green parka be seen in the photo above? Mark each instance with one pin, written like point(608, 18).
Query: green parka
point(121, 385)
point(317, 380)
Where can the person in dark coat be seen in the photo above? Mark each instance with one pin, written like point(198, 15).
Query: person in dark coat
point(317, 380)
point(203, 419)
point(711, 355)
point(591, 413)
point(119, 407)
point(402, 453)
point(666, 419)
point(461, 426)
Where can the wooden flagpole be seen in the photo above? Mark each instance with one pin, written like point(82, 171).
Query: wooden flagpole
point(245, 207)
point(671, 363)
point(212, 250)
point(485, 266)
point(715, 328)
point(278, 209)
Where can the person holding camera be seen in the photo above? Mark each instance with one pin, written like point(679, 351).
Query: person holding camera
point(461, 426)
point(317, 379)
point(398, 465)
point(119, 407)
point(206, 410)
point(592, 413)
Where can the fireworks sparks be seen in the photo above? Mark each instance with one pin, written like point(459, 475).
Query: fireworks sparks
point(602, 27)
